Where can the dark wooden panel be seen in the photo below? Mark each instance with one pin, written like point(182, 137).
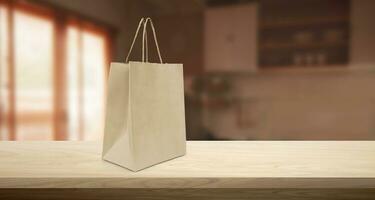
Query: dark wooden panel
point(188, 194)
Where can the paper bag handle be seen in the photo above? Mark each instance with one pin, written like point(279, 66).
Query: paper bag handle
point(141, 22)
point(155, 38)
point(144, 40)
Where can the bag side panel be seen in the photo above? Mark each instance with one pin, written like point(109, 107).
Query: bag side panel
point(116, 146)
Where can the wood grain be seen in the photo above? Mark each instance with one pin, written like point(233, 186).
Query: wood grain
point(229, 164)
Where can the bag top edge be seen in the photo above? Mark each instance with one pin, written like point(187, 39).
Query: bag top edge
point(147, 63)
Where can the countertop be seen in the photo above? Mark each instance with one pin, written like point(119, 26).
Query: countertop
point(207, 164)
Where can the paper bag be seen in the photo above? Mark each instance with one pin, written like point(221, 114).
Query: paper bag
point(145, 116)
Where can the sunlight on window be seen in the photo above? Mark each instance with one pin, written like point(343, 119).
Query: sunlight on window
point(34, 71)
point(4, 92)
point(94, 68)
point(73, 63)
point(86, 69)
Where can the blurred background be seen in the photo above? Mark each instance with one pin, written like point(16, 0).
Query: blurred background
point(253, 69)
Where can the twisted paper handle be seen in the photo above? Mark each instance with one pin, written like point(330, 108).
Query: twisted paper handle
point(144, 40)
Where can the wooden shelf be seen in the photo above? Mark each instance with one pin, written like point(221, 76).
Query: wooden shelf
point(323, 26)
point(292, 45)
point(289, 23)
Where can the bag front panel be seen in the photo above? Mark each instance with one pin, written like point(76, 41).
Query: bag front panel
point(157, 112)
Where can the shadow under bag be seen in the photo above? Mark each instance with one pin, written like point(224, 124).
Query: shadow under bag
point(145, 116)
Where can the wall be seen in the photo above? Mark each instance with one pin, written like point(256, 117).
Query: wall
point(363, 31)
point(302, 104)
point(336, 103)
point(179, 27)
point(122, 15)
point(181, 40)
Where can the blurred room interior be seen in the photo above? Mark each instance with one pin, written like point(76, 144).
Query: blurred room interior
point(254, 69)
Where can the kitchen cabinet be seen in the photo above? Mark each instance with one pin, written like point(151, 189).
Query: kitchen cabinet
point(230, 37)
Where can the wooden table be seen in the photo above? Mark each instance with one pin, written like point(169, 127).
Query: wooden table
point(210, 170)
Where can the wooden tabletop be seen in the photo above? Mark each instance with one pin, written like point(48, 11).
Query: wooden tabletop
point(221, 164)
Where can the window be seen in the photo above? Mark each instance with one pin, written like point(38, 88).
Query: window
point(52, 74)
point(85, 82)
point(4, 91)
point(34, 60)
